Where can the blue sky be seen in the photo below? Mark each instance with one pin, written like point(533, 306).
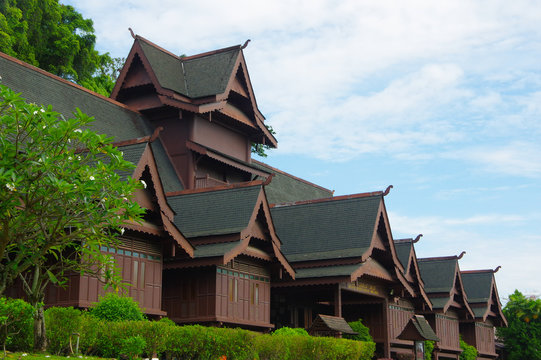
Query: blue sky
point(441, 99)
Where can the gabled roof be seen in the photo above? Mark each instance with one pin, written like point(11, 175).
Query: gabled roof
point(219, 212)
point(144, 158)
point(480, 286)
point(341, 227)
point(232, 213)
point(326, 323)
point(405, 251)
point(38, 86)
point(286, 188)
point(418, 329)
point(200, 83)
point(443, 283)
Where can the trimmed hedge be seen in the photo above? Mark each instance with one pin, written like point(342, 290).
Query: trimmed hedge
point(130, 339)
point(16, 324)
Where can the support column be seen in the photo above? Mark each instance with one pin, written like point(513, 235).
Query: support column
point(338, 301)
point(386, 330)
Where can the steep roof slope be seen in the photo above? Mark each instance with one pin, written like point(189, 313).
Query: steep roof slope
point(38, 86)
point(327, 229)
point(286, 188)
point(219, 212)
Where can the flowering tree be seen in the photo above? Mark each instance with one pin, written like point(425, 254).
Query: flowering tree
point(522, 336)
point(61, 198)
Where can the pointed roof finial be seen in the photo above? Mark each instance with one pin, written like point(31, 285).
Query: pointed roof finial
point(417, 238)
point(496, 270)
point(245, 44)
point(131, 32)
point(461, 255)
point(386, 192)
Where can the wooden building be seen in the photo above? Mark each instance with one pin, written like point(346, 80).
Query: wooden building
point(445, 289)
point(480, 286)
point(346, 266)
point(227, 240)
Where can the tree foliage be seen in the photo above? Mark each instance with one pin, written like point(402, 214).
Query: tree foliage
point(363, 332)
point(61, 197)
point(469, 352)
point(522, 337)
point(56, 38)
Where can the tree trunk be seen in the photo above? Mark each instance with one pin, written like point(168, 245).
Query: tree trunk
point(40, 338)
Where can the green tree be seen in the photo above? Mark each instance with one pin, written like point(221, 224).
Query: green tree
point(522, 337)
point(61, 199)
point(56, 38)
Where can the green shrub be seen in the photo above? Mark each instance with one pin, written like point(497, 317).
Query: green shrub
point(114, 307)
point(90, 332)
point(61, 324)
point(469, 352)
point(16, 324)
point(287, 331)
point(361, 329)
point(132, 347)
point(429, 348)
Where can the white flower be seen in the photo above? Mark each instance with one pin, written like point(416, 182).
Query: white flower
point(11, 187)
point(35, 112)
point(70, 158)
point(78, 131)
point(122, 231)
point(91, 177)
point(144, 184)
point(24, 354)
point(43, 127)
point(42, 110)
point(124, 198)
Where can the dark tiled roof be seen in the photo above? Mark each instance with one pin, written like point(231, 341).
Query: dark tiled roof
point(478, 286)
point(326, 271)
point(334, 323)
point(211, 250)
point(418, 329)
point(285, 188)
point(214, 212)
point(111, 118)
point(438, 274)
point(131, 153)
point(192, 77)
point(403, 250)
point(166, 67)
point(328, 229)
point(168, 176)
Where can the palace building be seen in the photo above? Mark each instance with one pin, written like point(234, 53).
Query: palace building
point(231, 241)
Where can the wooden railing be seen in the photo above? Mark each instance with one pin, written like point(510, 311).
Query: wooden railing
point(207, 181)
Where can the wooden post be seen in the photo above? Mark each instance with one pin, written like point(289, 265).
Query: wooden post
point(338, 301)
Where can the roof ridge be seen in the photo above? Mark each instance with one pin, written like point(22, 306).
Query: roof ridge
point(209, 53)
point(245, 184)
point(482, 271)
point(292, 176)
point(66, 82)
point(438, 258)
point(158, 47)
point(329, 199)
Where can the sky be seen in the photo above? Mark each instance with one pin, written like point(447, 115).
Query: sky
point(441, 99)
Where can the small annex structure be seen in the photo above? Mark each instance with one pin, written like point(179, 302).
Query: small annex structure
point(334, 326)
point(230, 241)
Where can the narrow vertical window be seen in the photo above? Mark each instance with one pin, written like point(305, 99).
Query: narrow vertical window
point(134, 275)
point(142, 283)
point(252, 287)
point(236, 297)
point(257, 294)
point(230, 289)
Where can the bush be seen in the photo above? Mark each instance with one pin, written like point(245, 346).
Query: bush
point(113, 307)
point(469, 352)
point(61, 324)
point(287, 331)
point(132, 347)
point(362, 330)
point(16, 324)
